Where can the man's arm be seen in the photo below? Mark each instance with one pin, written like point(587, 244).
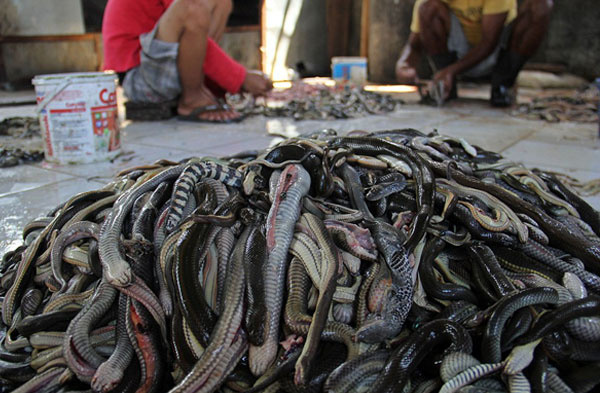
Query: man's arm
point(222, 69)
point(406, 66)
point(491, 29)
point(231, 75)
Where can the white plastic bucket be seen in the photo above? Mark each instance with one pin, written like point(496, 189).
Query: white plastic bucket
point(349, 69)
point(78, 116)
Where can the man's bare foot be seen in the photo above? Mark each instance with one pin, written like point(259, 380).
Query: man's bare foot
point(206, 107)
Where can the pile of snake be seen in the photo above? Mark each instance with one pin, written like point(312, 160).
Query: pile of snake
point(306, 102)
point(393, 261)
point(20, 141)
point(578, 106)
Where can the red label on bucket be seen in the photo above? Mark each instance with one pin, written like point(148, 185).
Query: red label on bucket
point(46, 128)
point(108, 97)
point(106, 126)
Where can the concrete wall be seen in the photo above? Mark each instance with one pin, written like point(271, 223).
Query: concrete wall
point(23, 61)
point(244, 47)
point(295, 32)
point(47, 17)
point(309, 42)
point(38, 17)
point(354, 44)
point(92, 14)
point(389, 28)
point(574, 37)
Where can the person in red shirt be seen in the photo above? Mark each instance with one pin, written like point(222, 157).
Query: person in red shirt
point(166, 49)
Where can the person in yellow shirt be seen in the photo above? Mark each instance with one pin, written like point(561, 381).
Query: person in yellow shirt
point(474, 38)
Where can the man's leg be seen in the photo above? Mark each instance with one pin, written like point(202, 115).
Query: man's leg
point(530, 27)
point(434, 20)
point(435, 24)
point(188, 22)
point(529, 30)
point(219, 19)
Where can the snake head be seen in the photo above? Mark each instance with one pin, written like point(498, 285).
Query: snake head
point(302, 369)
point(137, 247)
point(374, 331)
point(118, 275)
point(107, 378)
point(261, 357)
point(255, 326)
point(520, 357)
point(388, 321)
point(249, 183)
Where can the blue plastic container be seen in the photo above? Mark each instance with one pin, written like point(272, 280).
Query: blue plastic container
point(349, 69)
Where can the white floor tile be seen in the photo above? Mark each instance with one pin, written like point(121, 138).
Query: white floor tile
point(18, 111)
point(488, 133)
point(566, 133)
point(133, 154)
point(584, 157)
point(16, 210)
point(197, 136)
point(26, 177)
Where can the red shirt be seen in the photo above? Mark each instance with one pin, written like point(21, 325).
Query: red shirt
point(125, 20)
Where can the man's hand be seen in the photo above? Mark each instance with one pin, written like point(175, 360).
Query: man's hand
point(257, 83)
point(406, 74)
point(406, 66)
point(446, 76)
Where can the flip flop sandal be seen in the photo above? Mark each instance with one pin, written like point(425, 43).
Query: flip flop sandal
point(226, 107)
point(146, 111)
point(194, 115)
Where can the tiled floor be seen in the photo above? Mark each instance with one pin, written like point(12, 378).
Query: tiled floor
point(29, 191)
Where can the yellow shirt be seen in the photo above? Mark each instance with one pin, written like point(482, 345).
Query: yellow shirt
point(469, 13)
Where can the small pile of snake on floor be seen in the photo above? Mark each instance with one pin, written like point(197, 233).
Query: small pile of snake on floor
point(317, 102)
point(578, 106)
point(392, 261)
point(14, 147)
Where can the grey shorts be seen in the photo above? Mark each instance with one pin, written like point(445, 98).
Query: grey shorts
point(457, 42)
point(156, 79)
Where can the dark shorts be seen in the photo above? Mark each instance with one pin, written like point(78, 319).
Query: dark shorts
point(457, 42)
point(156, 79)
